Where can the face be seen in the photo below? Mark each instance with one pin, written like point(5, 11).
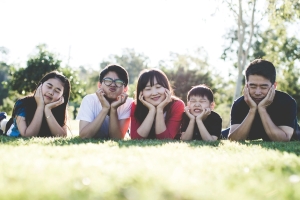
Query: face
point(52, 90)
point(258, 87)
point(155, 94)
point(197, 104)
point(112, 91)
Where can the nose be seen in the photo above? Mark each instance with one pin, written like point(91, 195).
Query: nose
point(257, 91)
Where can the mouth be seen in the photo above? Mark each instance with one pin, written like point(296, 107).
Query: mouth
point(197, 110)
point(112, 89)
point(258, 99)
point(49, 98)
point(155, 98)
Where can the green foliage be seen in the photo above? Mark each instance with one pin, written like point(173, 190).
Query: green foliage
point(187, 70)
point(183, 79)
point(283, 52)
point(4, 75)
point(24, 80)
point(281, 11)
point(72, 168)
point(133, 62)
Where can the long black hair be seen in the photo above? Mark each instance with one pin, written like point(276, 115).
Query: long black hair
point(141, 111)
point(29, 104)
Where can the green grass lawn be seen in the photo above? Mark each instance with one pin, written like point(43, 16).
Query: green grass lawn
point(71, 168)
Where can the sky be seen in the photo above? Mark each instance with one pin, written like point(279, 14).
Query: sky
point(87, 32)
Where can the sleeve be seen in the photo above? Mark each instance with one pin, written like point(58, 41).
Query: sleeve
point(185, 122)
point(20, 109)
point(85, 112)
point(237, 116)
point(215, 125)
point(135, 124)
point(173, 123)
point(126, 110)
point(288, 114)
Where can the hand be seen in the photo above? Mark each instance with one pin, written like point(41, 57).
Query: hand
point(54, 104)
point(268, 99)
point(204, 114)
point(38, 96)
point(187, 112)
point(165, 102)
point(145, 103)
point(249, 101)
point(121, 99)
point(101, 96)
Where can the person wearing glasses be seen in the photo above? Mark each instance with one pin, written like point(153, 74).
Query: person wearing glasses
point(263, 112)
point(157, 113)
point(43, 114)
point(106, 113)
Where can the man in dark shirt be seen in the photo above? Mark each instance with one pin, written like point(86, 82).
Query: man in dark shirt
point(263, 112)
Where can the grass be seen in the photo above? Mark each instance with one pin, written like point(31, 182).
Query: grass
point(71, 168)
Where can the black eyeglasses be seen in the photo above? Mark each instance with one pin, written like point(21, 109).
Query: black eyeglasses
point(109, 81)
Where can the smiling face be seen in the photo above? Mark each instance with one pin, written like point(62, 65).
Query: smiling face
point(198, 103)
point(52, 90)
point(258, 87)
point(112, 91)
point(154, 94)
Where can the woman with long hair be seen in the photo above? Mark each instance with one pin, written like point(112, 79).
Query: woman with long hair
point(156, 112)
point(44, 113)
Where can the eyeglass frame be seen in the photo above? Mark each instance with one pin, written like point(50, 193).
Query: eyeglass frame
point(113, 81)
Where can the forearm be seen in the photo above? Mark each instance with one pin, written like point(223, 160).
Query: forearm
point(115, 131)
point(160, 124)
point(34, 127)
point(55, 128)
point(93, 127)
point(146, 126)
point(242, 131)
point(188, 134)
point(273, 131)
point(205, 135)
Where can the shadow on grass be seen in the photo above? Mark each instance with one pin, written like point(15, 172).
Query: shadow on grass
point(77, 141)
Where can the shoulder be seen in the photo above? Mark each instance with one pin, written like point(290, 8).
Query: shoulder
point(215, 116)
point(90, 97)
point(282, 97)
point(239, 101)
point(177, 103)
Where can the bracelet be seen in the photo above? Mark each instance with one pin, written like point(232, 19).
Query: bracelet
point(48, 117)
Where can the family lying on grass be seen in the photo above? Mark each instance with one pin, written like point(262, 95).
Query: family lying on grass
point(261, 113)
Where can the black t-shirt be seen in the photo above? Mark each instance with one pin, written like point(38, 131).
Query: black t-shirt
point(213, 124)
point(282, 112)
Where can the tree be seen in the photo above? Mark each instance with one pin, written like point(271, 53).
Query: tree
point(24, 80)
point(241, 36)
point(284, 52)
point(187, 70)
point(133, 62)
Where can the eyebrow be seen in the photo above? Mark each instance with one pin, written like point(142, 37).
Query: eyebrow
point(252, 84)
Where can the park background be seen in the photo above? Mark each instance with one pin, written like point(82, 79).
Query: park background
point(193, 42)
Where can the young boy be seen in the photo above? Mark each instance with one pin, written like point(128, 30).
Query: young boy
point(199, 121)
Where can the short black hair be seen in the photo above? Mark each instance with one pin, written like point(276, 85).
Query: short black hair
point(120, 71)
point(201, 90)
point(262, 68)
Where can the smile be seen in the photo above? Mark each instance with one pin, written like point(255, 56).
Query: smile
point(155, 98)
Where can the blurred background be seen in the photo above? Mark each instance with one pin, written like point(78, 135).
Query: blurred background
point(192, 41)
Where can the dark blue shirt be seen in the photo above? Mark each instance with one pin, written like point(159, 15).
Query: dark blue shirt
point(282, 111)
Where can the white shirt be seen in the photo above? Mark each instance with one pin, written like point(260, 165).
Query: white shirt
point(90, 108)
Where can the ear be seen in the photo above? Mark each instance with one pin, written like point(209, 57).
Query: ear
point(275, 85)
point(212, 105)
point(99, 85)
point(125, 89)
